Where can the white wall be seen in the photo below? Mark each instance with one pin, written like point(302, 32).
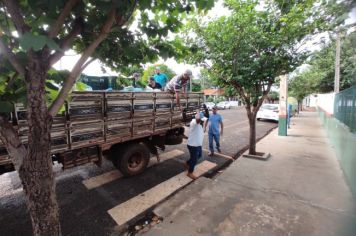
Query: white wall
point(324, 101)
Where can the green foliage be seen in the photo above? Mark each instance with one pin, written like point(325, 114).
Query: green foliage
point(206, 79)
point(196, 86)
point(249, 49)
point(210, 99)
point(319, 76)
point(273, 96)
point(303, 84)
point(37, 42)
point(123, 50)
point(12, 90)
point(256, 45)
point(155, 19)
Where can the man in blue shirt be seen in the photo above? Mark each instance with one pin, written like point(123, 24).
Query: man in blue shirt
point(160, 78)
point(215, 122)
point(289, 114)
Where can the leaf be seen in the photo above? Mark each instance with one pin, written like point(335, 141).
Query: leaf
point(26, 40)
point(52, 44)
point(20, 90)
point(6, 107)
point(29, 40)
point(145, 4)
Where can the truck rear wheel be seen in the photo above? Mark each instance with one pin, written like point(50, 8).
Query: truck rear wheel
point(132, 160)
point(174, 137)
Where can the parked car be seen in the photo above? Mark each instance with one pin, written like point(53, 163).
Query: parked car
point(268, 111)
point(223, 105)
point(234, 103)
point(210, 105)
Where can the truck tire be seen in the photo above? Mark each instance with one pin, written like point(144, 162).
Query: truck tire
point(132, 160)
point(174, 139)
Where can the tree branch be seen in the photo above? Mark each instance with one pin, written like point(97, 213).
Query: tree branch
point(69, 82)
point(54, 29)
point(87, 63)
point(66, 42)
point(260, 100)
point(10, 139)
point(241, 91)
point(14, 9)
point(12, 58)
point(12, 81)
point(132, 11)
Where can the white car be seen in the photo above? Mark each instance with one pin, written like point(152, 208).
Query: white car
point(234, 103)
point(223, 105)
point(210, 105)
point(268, 112)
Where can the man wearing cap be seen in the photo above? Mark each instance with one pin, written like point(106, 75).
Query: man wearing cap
point(215, 123)
point(153, 84)
point(160, 77)
point(195, 143)
point(178, 84)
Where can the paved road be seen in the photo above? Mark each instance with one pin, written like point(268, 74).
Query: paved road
point(85, 211)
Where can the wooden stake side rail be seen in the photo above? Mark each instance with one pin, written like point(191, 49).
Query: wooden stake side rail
point(100, 118)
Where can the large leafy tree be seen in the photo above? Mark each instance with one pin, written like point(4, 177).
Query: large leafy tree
point(34, 35)
point(303, 84)
point(319, 76)
point(249, 49)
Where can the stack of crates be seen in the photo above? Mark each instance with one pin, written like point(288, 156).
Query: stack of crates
point(143, 113)
point(4, 157)
point(163, 111)
point(118, 123)
point(86, 119)
point(59, 131)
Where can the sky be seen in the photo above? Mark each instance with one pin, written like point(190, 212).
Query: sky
point(70, 58)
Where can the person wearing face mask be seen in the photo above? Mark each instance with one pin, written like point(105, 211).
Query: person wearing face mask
point(195, 143)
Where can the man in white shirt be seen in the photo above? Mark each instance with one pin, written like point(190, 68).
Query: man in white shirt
point(195, 143)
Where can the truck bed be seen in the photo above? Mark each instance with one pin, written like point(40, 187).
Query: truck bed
point(105, 118)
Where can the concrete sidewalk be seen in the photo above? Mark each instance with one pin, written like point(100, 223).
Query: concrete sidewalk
point(300, 190)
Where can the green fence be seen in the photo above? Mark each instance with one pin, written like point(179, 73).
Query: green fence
point(345, 107)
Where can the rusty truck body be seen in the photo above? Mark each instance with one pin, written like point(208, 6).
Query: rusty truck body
point(124, 127)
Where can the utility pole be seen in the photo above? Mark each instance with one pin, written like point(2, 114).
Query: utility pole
point(337, 64)
point(283, 104)
point(190, 85)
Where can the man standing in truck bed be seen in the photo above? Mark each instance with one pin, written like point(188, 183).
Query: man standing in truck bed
point(160, 78)
point(178, 85)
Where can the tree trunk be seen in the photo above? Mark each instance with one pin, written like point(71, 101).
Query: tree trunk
point(252, 123)
point(252, 138)
point(36, 172)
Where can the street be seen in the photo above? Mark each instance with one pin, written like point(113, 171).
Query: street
point(86, 194)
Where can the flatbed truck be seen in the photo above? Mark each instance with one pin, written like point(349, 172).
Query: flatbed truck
point(124, 127)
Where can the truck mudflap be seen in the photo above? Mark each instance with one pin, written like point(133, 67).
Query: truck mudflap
point(81, 156)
